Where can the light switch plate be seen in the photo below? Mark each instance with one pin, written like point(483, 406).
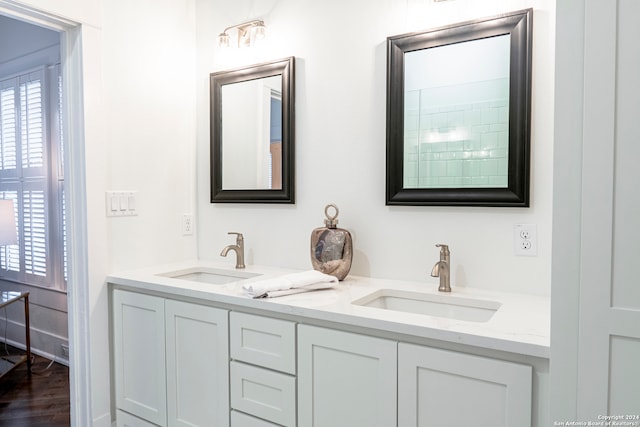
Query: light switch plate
point(121, 203)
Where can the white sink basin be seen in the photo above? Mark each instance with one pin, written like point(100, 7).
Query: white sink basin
point(213, 276)
point(450, 307)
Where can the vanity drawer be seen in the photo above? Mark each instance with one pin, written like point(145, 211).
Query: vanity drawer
point(239, 419)
point(263, 341)
point(266, 394)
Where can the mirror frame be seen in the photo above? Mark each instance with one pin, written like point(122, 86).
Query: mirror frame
point(286, 68)
point(519, 26)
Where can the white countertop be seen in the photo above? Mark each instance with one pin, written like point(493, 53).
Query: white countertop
point(521, 325)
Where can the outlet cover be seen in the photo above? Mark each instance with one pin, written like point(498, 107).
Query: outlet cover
point(187, 224)
point(525, 240)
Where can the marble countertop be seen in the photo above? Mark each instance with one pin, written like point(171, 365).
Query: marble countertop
point(521, 325)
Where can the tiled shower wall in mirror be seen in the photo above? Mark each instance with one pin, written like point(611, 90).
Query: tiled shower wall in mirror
point(457, 145)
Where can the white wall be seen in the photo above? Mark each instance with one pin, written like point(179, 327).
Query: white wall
point(137, 132)
point(340, 145)
point(32, 39)
point(150, 120)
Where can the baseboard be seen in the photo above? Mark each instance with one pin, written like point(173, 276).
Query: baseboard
point(103, 421)
point(39, 352)
point(43, 343)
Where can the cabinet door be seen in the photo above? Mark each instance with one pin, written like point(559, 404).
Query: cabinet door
point(439, 388)
point(139, 358)
point(197, 365)
point(345, 379)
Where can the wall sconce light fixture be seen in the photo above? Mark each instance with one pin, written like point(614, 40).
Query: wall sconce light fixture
point(248, 33)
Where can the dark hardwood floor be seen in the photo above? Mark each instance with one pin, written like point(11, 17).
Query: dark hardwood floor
point(41, 399)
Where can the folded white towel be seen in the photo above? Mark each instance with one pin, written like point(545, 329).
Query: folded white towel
point(290, 284)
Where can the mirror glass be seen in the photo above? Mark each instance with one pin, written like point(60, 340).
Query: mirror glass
point(456, 118)
point(252, 134)
point(458, 107)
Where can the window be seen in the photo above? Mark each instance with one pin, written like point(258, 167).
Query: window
point(31, 173)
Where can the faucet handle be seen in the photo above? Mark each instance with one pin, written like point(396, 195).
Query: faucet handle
point(443, 248)
point(239, 237)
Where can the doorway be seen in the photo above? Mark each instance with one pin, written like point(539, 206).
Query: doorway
point(30, 116)
point(73, 148)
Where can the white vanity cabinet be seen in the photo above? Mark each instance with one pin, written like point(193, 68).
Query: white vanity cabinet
point(170, 362)
point(345, 379)
point(179, 363)
point(441, 388)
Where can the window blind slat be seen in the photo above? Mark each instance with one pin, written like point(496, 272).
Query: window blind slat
point(64, 235)
point(32, 124)
point(35, 238)
point(7, 129)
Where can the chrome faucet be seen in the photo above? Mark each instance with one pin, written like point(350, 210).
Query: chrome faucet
point(238, 248)
point(442, 269)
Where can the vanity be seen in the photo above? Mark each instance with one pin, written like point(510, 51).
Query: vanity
point(189, 348)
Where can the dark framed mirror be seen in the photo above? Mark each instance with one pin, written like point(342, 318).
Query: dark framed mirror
point(252, 133)
point(458, 114)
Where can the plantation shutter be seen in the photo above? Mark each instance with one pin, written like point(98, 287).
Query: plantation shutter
point(8, 125)
point(34, 232)
point(32, 177)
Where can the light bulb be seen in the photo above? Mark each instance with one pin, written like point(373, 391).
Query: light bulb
point(223, 40)
point(259, 31)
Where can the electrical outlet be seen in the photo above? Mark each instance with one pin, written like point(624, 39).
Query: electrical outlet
point(525, 240)
point(187, 224)
point(65, 350)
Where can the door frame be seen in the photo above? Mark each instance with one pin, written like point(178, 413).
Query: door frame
point(76, 202)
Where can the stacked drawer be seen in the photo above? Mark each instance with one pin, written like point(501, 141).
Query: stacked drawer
point(262, 371)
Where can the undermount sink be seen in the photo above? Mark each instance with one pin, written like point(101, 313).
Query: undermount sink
point(212, 276)
point(459, 308)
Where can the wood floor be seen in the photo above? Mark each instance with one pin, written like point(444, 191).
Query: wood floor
point(40, 400)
